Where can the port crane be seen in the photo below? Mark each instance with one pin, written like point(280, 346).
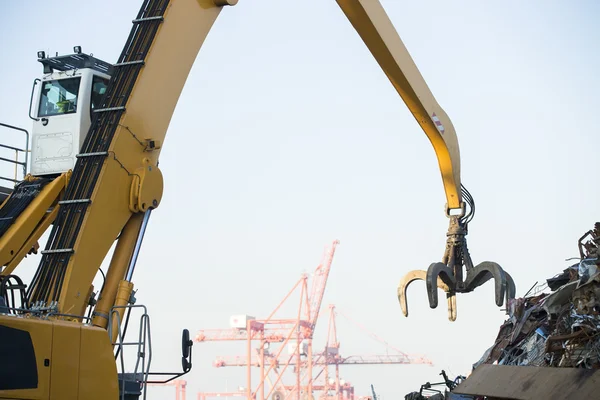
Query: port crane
point(277, 332)
point(289, 374)
point(311, 367)
point(94, 179)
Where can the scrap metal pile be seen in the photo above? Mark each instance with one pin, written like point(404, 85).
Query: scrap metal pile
point(560, 328)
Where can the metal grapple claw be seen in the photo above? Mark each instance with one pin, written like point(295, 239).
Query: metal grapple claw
point(456, 264)
point(422, 275)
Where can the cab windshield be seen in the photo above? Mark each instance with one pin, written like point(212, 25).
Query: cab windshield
point(59, 97)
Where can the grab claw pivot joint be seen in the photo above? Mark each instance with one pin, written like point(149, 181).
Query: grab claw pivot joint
point(448, 274)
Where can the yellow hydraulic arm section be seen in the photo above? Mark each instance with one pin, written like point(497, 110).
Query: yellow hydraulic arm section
point(21, 237)
point(377, 31)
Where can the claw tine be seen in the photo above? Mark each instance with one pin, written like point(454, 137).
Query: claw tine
point(500, 291)
point(404, 282)
point(435, 273)
point(511, 289)
point(483, 272)
point(422, 275)
point(451, 306)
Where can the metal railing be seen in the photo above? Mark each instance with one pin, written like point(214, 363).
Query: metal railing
point(143, 345)
point(18, 151)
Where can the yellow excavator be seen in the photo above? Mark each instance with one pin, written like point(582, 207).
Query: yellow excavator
point(94, 179)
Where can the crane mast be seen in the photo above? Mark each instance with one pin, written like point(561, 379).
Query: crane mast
point(106, 188)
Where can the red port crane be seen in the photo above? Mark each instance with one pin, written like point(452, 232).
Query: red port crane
point(313, 370)
point(295, 333)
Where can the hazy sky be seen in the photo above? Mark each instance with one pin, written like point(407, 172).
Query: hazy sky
point(288, 135)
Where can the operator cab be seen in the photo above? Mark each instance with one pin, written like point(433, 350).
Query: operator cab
point(71, 88)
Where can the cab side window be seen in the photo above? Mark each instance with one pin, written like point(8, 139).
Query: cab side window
point(99, 85)
point(59, 97)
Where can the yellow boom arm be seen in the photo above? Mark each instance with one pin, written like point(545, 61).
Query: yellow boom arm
point(377, 31)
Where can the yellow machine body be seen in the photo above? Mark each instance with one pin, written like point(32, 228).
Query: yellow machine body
point(56, 360)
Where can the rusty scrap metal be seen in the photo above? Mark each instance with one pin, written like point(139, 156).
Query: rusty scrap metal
point(560, 329)
point(554, 343)
point(591, 248)
point(533, 337)
point(586, 297)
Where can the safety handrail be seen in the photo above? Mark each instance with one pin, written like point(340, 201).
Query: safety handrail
point(144, 343)
point(17, 150)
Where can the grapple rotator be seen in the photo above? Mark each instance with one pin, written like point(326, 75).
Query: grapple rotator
point(456, 273)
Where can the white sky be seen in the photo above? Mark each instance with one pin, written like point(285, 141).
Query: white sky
point(288, 135)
